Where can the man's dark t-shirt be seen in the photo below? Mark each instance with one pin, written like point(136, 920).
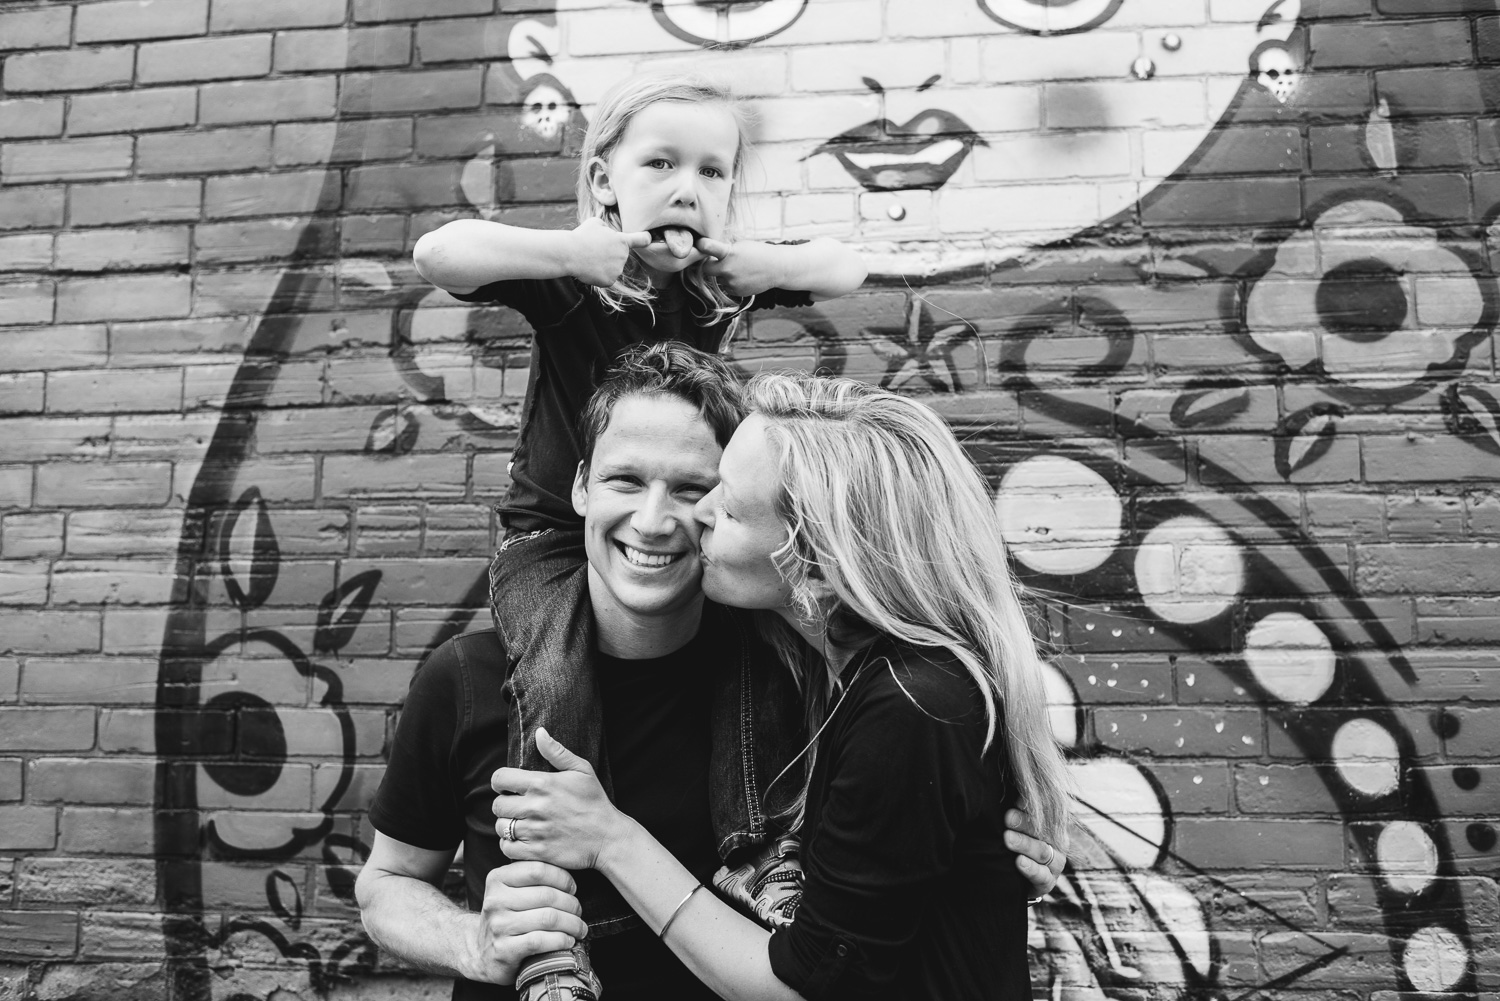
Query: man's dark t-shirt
point(452, 736)
point(576, 342)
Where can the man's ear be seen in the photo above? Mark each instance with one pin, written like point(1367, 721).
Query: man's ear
point(581, 490)
point(599, 182)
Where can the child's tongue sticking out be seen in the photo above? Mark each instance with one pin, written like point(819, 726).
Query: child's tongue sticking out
point(678, 240)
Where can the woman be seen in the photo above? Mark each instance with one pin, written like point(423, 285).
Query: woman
point(852, 517)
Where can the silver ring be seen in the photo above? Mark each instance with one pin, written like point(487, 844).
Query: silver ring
point(510, 831)
point(1051, 854)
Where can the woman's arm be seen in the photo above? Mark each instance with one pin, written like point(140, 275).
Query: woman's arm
point(466, 254)
point(723, 948)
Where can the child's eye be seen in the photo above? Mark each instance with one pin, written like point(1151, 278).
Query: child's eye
point(712, 172)
point(659, 162)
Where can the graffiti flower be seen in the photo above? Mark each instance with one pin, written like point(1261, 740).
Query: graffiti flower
point(1368, 300)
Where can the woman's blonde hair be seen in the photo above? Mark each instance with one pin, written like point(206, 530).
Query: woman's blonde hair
point(884, 508)
point(616, 110)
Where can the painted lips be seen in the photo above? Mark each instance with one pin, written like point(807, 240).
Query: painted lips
point(923, 153)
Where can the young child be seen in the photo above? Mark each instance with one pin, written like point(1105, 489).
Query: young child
point(654, 258)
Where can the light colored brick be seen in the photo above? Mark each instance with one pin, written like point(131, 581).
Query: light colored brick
point(268, 100)
point(120, 533)
point(26, 302)
point(408, 10)
point(209, 152)
point(103, 883)
point(74, 69)
point(383, 46)
point(88, 484)
point(251, 240)
point(49, 631)
point(265, 15)
point(226, 57)
point(53, 347)
point(102, 391)
point(415, 90)
point(288, 193)
point(31, 208)
point(66, 160)
point(28, 535)
point(28, 828)
point(46, 728)
point(135, 201)
point(127, 582)
point(118, 20)
point(121, 249)
point(39, 439)
point(113, 681)
point(93, 780)
point(31, 117)
point(15, 486)
point(23, 582)
point(1144, 104)
point(133, 110)
point(22, 392)
point(358, 141)
point(27, 251)
point(37, 28)
point(167, 342)
point(123, 297)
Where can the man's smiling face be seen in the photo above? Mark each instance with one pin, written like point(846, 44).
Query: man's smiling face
point(656, 459)
point(996, 121)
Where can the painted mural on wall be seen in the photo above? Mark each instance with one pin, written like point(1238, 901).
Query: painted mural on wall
point(1092, 251)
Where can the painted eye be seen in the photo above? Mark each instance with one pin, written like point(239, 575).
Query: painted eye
point(726, 23)
point(1051, 17)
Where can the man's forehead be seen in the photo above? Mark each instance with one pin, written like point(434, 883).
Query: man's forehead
point(662, 432)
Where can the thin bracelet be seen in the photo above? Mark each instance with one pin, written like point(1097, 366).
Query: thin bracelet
point(678, 910)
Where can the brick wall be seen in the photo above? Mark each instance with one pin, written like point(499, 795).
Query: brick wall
point(1207, 286)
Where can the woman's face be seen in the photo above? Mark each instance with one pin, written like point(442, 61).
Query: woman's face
point(740, 526)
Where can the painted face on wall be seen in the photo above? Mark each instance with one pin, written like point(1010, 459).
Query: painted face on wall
point(993, 124)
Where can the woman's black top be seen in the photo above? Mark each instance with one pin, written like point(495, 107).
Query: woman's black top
point(911, 892)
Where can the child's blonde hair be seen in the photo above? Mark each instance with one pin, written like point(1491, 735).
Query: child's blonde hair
point(613, 116)
point(882, 506)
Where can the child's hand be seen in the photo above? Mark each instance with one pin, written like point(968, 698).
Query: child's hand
point(745, 267)
point(599, 251)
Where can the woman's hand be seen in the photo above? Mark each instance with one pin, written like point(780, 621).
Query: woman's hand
point(1039, 862)
point(745, 267)
point(560, 817)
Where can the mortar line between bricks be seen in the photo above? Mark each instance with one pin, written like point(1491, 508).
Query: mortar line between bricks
point(1293, 975)
point(1206, 875)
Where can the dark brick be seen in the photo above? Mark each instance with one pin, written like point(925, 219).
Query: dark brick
point(1487, 39)
point(348, 141)
point(1435, 92)
point(465, 135)
point(471, 40)
point(32, 935)
point(30, 118)
point(415, 90)
point(267, 100)
point(280, 194)
point(1283, 789)
point(102, 883)
point(133, 110)
point(1240, 201)
point(133, 201)
point(31, 208)
point(1473, 568)
point(73, 69)
point(37, 28)
point(1434, 197)
point(97, 830)
point(118, 20)
point(263, 239)
point(1341, 45)
point(379, 47)
point(1233, 733)
point(407, 10)
point(209, 152)
point(224, 57)
point(1242, 843)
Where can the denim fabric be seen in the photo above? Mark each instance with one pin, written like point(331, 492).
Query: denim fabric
point(539, 601)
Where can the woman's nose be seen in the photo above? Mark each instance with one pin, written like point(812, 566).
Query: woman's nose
point(703, 511)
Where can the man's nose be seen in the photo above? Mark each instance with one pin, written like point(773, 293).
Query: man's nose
point(656, 514)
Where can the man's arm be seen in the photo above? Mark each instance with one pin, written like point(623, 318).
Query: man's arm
point(528, 908)
point(465, 254)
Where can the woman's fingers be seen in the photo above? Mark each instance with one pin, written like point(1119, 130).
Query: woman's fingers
point(559, 756)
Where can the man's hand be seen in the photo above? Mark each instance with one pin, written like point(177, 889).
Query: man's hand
point(745, 267)
point(562, 817)
point(1039, 862)
point(528, 908)
point(599, 252)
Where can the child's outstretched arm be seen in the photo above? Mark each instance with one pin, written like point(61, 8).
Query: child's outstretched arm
point(824, 267)
point(465, 254)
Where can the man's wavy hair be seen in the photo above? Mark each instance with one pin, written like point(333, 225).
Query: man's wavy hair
point(701, 380)
point(612, 117)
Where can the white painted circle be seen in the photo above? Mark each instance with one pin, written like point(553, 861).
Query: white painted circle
point(1408, 859)
point(1188, 569)
point(1290, 657)
point(1435, 959)
point(1058, 515)
point(1366, 756)
point(1062, 705)
point(1119, 806)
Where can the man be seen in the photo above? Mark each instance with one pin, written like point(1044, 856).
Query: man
point(683, 687)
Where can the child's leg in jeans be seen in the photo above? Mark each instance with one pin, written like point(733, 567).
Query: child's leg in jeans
point(539, 602)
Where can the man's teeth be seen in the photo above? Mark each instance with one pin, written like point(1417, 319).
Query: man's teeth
point(641, 559)
point(678, 240)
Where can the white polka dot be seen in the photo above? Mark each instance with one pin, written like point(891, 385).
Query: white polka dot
point(1367, 757)
point(1408, 858)
point(1057, 515)
point(1290, 657)
point(1188, 569)
point(1435, 959)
